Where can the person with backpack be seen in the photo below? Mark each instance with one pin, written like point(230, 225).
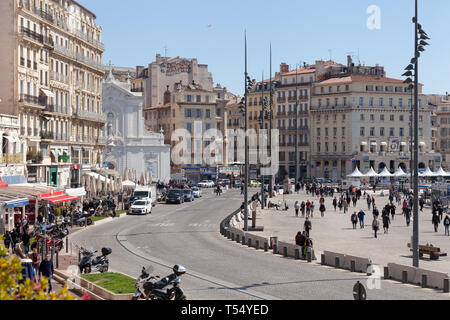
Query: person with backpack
point(375, 225)
point(447, 225)
point(354, 220)
point(334, 203)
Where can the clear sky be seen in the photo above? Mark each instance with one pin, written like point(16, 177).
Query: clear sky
point(300, 30)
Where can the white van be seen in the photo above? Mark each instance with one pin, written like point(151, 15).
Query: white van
point(145, 192)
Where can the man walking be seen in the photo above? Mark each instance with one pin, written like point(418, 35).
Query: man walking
point(307, 226)
point(354, 219)
point(361, 215)
point(447, 225)
point(375, 225)
point(46, 269)
point(435, 220)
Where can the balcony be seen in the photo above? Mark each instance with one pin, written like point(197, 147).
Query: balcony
point(101, 140)
point(12, 158)
point(281, 100)
point(90, 115)
point(30, 34)
point(90, 40)
point(137, 90)
point(63, 50)
point(48, 41)
point(35, 157)
point(47, 135)
point(30, 100)
point(88, 61)
point(59, 77)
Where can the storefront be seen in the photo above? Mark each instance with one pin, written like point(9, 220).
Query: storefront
point(8, 212)
point(75, 176)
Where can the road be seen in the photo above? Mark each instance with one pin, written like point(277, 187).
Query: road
point(219, 269)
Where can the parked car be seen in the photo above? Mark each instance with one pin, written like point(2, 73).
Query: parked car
point(188, 195)
point(197, 192)
point(237, 183)
point(224, 182)
point(205, 184)
point(254, 184)
point(141, 206)
point(175, 196)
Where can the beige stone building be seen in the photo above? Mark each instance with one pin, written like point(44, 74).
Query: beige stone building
point(52, 80)
point(442, 126)
point(361, 118)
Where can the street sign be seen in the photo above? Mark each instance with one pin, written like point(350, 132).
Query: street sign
point(359, 292)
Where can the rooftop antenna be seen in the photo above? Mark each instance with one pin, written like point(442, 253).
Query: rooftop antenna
point(165, 57)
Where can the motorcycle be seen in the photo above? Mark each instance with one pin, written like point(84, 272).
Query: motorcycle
point(81, 219)
point(88, 263)
point(147, 289)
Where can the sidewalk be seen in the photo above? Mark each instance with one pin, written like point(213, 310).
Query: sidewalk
point(334, 232)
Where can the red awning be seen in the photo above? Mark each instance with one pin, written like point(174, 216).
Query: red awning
point(46, 196)
point(60, 199)
point(3, 184)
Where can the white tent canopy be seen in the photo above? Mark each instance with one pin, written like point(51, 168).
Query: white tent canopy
point(371, 173)
point(429, 173)
point(385, 173)
point(442, 173)
point(356, 174)
point(400, 173)
point(128, 183)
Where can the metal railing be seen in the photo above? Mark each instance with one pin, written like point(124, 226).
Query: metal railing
point(63, 50)
point(59, 77)
point(24, 31)
point(90, 115)
point(88, 61)
point(86, 38)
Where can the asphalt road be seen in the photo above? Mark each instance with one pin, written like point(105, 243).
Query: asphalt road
point(219, 269)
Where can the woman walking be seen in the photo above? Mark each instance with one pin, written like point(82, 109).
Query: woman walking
point(297, 208)
point(375, 226)
point(345, 205)
point(334, 203)
point(303, 208)
point(322, 209)
point(311, 208)
point(354, 220)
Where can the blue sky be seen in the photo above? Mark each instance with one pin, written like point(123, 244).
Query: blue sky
point(301, 30)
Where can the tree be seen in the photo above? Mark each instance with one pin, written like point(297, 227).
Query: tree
point(14, 287)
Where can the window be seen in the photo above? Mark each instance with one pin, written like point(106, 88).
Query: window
point(334, 132)
point(345, 102)
point(361, 117)
point(381, 117)
point(188, 98)
point(362, 132)
point(207, 126)
point(372, 117)
point(189, 127)
point(334, 147)
point(392, 117)
point(391, 102)
point(420, 132)
point(343, 131)
point(187, 113)
point(391, 132)
point(198, 113)
point(380, 102)
point(371, 102)
point(318, 147)
point(400, 102)
point(318, 132)
point(198, 99)
point(372, 131)
point(326, 132)
point(361, 101)
point(381, 132)
point(343, 146)
point(402, 117)
point(401, 132)
point(326, 146)
point(207, 114)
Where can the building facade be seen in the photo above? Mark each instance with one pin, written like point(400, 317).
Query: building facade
point(52, 68)
point(129, 144)
point(361, 118)
point(442, 126)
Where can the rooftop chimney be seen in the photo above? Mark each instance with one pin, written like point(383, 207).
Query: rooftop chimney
point(284, 68)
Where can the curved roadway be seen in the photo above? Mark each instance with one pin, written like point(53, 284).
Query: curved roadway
point(218, 268)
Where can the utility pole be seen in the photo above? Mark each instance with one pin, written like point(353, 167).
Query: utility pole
point(246, 142)
point(260, 142)
point(271, 123)
point(296, 127)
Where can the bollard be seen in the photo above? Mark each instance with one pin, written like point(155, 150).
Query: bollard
point(446, 285)
point(424, 280)
point(79, 255)
point(405, 276)
point(237, 238)
point(232, 236)
point(257, 244)
point(275, 249)
point(266, 246)
point(57, 260)
point(336, 262)
point(249, 242)
point(243, 240)
point(297, 254)
point(322, 259)
point(353, 266)
point(386, 273)
point(67, 244)
point(285, 251)
point(309, 255)
point(228, 234)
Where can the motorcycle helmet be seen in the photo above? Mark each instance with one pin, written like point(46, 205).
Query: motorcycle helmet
point(179, 270)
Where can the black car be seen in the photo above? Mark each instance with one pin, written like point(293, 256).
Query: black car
point(188, 195)
point(175, 196)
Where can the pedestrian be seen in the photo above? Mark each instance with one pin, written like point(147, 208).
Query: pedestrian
point(375, 212)
point(386, 222)
point(440, 210)
point(392, 208)
point(340, 204)
point(36, 260)
point(308, 208)
point(7, 240)
point(435, 220)
point(307, 226)
point(408, 216)
point(369, 201)
point(447, 225)
point(303, 208)
point(421, 203)
point(345, 205)
point(26, 241)
point(322, 209)
point(354, 220)
point(46, 269)
point(311, 208)
point(375, 225)
point(297, 208)
point(334, 203)
point(361, 215)
point(354, 201)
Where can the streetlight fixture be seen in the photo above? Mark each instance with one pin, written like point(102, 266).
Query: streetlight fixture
point(419, 34)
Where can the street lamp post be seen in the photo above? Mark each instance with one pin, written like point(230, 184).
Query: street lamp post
point(419, 34)
point(271, 122)
point(296, 127)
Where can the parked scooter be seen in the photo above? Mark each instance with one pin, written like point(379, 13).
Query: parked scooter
point(88, 263)
point(81, 219)
point(147, 289)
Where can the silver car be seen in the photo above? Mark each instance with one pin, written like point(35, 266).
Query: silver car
point(197, 192)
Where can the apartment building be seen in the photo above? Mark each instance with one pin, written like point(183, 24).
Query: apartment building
point(52, 71)
point(361, 118)
point(442, 127)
